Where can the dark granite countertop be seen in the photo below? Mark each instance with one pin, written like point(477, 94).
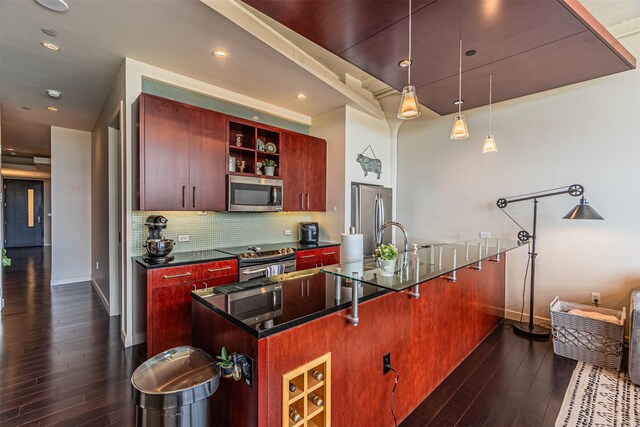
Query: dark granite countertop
point(184, 258)
point(305, 296)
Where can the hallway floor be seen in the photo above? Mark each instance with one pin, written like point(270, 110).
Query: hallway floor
point(62, 361)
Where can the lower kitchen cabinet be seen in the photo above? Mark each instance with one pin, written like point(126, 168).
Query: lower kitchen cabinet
point(314, 258)
point(169, 300)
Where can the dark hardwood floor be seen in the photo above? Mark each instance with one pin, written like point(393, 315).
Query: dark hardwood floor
point(62, 361)
point(506, 381)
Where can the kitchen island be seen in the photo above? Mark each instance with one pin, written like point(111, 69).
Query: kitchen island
point(287, 322)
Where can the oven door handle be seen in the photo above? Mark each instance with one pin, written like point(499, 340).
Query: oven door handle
point(258, 270)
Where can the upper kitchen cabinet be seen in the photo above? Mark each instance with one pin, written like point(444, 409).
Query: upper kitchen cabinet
point(304, 172)
point(182, 154)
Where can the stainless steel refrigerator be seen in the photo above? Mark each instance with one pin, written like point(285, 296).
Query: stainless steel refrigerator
point(370, 208)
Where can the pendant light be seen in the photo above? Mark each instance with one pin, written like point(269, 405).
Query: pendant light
point(489, 145)
point(409, 101)
point(459, 129)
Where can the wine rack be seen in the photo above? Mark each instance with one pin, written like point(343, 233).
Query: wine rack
point(309, 386)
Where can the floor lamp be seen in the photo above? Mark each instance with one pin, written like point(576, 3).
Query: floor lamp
point(581, 211)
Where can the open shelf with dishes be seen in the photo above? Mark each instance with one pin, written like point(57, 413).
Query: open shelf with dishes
point(306, 394)
point(252, 149)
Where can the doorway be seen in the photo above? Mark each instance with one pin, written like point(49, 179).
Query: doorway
point(23, 213)
point(116, 221)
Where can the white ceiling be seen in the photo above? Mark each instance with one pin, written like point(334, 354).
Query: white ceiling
point(96, 35)
point(177, 35)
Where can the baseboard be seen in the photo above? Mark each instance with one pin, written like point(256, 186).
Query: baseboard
point(101, 295)
point(126, 339)
point(70, 280)
point(515, 315)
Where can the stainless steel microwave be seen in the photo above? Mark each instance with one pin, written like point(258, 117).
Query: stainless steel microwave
point(249, 194)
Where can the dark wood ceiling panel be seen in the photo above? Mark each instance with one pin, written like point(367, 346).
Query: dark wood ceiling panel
point(508, 29)
point(337, 25)
point(529, 45)
point(570, 60)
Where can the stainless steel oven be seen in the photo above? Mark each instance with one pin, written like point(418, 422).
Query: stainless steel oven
point(258, 304)
point(249, 194)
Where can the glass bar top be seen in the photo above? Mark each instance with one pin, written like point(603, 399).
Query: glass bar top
point(418, 266)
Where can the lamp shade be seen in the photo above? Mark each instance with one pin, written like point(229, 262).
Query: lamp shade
point(583, 211)
point(489, 145)
point(459, 129)
point(408, 104)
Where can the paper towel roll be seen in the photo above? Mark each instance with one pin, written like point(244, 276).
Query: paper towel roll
point(352, 248)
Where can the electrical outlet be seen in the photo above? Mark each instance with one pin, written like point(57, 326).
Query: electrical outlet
point(595, 298)
point(485, 234)
point(287, 232)
point(386, 362)
point(183, 238)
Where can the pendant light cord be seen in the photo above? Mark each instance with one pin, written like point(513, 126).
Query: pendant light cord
point(409, 71)
point(490, 92)
point(460, 82)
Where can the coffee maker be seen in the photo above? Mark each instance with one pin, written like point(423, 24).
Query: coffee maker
point(158, 248)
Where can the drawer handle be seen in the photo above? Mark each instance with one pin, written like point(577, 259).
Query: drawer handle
point(213, 270)
point(176, 276)
point(259, 270)
point(328, 253)
point(307, 256)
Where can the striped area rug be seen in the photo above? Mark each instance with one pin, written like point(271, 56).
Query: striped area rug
point(597, 397)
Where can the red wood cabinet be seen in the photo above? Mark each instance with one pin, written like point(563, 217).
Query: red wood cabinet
point(169, 300)
point(182, 155)
point(314, 258)
point(304, 171)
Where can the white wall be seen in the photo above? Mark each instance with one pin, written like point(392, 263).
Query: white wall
point(586, 133)
point(71, 205)
point(101, 261)
point(331, 127)
point(348, 132)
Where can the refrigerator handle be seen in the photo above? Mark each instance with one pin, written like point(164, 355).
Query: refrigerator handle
point(376, 219)
point(358, 220)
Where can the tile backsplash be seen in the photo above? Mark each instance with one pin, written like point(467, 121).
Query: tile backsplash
point(212, 230)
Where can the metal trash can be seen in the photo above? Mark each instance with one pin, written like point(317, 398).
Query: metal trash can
point(173, 388)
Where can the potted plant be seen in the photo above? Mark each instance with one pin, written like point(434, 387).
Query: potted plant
point(386, 256)
point(269, 167)
point(6, 262)
point(225, 363)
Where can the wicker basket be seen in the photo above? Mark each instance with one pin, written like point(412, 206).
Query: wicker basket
point(589, 340)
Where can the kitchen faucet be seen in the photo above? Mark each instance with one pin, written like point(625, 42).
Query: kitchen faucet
point(397, 224)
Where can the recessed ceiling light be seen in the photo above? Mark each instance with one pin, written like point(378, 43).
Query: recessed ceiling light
point(470, 52)
point(405, 63)
point(301, 96)
point(256, 118)
point(50, 46)
point(49, 31)
point(55, 5)
point(26, 108)
point(13, 153)
point(220, 53)
point(10, 149)
point(52, 108)
point(54, 93)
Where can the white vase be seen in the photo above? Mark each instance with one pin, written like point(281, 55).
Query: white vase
point(269, 170)
point(387, 266)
